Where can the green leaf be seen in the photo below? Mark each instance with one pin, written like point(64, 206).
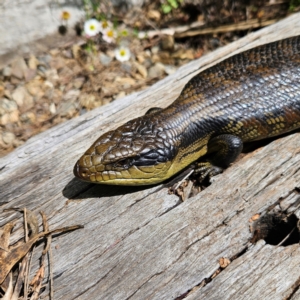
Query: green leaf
point(166, 8)
point(173, 3)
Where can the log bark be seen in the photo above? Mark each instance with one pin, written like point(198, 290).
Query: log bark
point(141, 242)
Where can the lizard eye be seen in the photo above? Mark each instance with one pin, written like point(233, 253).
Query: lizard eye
point(124, 163)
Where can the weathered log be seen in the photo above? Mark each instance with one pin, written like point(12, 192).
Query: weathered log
point(140, 242)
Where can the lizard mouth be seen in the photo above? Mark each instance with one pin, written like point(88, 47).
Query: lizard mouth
point(135, 175)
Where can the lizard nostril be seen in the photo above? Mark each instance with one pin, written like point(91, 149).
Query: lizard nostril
point(81, 172)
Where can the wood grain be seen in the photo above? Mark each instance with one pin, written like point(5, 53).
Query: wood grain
point(141, 243)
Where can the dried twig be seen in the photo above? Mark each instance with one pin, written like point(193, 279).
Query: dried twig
point(255, 23)
point(286, 237)
point(16, 253)
point(9, 291)
point(169, 31)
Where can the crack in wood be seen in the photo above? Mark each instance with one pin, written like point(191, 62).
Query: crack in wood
point(153, 276)
point(295, 288)
point(209, 279)
point(94, 284)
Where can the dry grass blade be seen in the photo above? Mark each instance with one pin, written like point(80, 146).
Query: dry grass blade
point(21, 278)
point(9, 290)
point(255, 23)
point(15, 254)
point(37, 281)
point(286, 237)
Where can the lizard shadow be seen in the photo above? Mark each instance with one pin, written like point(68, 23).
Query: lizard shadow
point(77, 189)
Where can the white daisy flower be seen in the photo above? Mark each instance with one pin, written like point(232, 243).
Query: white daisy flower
point(109, 35)
point(122, 54)
point(91, 27)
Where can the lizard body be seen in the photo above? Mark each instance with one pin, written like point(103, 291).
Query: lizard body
point(249, 96)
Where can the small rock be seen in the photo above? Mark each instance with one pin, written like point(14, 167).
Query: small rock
point(18, 95)
point(155, 58)
point(2, 90)
point(68, 54)
point(22, 98)
point(76, 50)
point(106, 89)
point(57, 63)
point(82, 111)
point(140, 58)
point(15, 81)
point(147, 53)
point(141, 69)
point(18, 143)
point(87, 101)
point(7, 106)
point(41, 70)
point(167, 42)
point(48, 85)
point(28, 102)
point(29, 74)
point(69, 87)
point(78, 82)
point(154, 15)
point(67, 109)
point(147, 63)
point(54, 52)
point(183, 54)
point(19, 68)
point(120, 95)
point(33, 62)
point(155, 50)
point(126, 66)
point(169, 69)
point(52, 76)
point(156, 71)
point(165, 58)
point(7, 94)
point(28, 117)
point(9, 86)
point(105, 60)
point(8, 138)
point(65, 75)
point(142, 35)
point(76, 69)
point(111, 53)
point(125, 81)
point(6, 71)
point(106, 100)
point(71, 96)
point(35, 88)
point(55, 95)
point(138, 76)
point(45, 60)
point(9, 118)
point(52, 108)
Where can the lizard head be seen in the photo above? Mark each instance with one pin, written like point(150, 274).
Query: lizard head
point(139, 152)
